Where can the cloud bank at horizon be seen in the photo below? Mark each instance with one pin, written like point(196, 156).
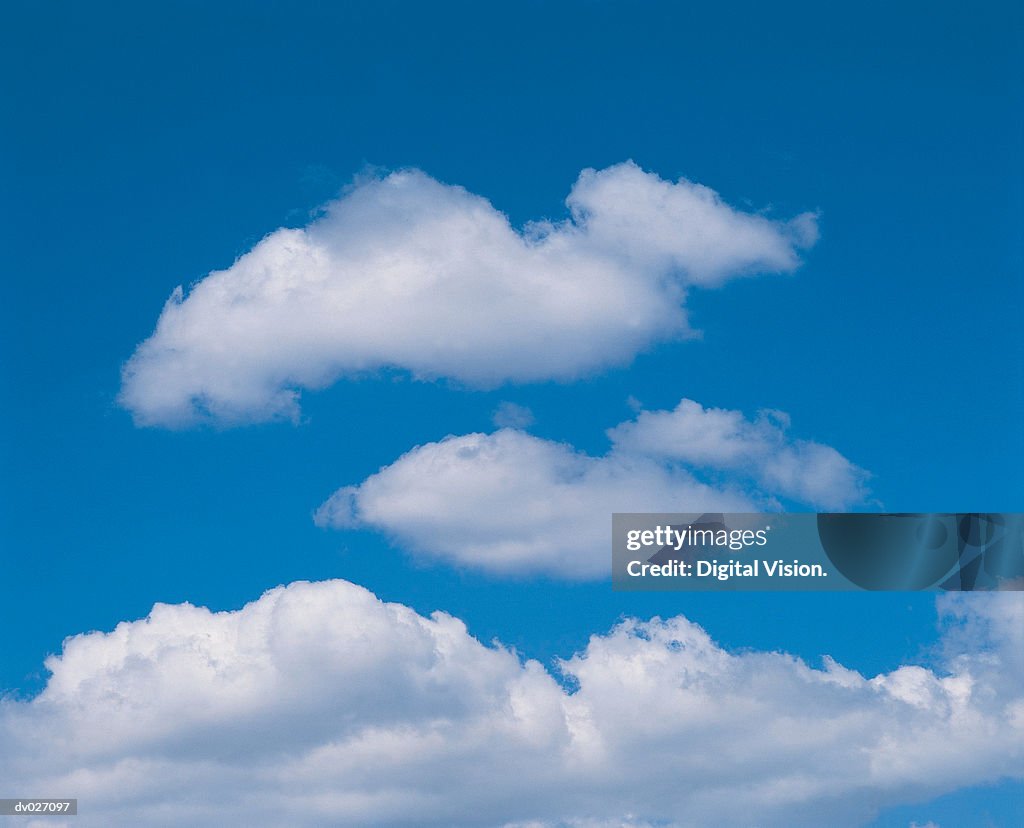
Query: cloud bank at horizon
point(320, 704)
point(409, 273)
point(512, 503)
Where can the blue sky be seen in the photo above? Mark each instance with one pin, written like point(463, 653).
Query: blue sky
point(146, 148)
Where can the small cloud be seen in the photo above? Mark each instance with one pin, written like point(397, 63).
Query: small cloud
point(512, 415)
point(760, 450)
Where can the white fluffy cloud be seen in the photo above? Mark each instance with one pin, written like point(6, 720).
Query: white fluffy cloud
point(411, 273)
point(512, 502)
point(716, 438)
point(319, 704)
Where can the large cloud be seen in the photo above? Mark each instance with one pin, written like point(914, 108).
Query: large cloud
point(512, 502)
point(410, 273)
point(319, 704)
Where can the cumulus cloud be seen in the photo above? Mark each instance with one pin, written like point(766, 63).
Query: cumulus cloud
point(716, 438)
point(410, 273)
point(511, 502)
point(320, 704)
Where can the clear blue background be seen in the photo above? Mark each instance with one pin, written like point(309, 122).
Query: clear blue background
point(144, 145)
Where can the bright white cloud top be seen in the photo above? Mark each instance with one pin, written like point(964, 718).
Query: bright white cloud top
point(320, 704)
point(406, 272)
point(509, 502)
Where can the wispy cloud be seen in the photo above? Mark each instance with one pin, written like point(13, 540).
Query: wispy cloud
point(320, 704)
point(512, 415)
point(510, 502)
point(410, 273)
